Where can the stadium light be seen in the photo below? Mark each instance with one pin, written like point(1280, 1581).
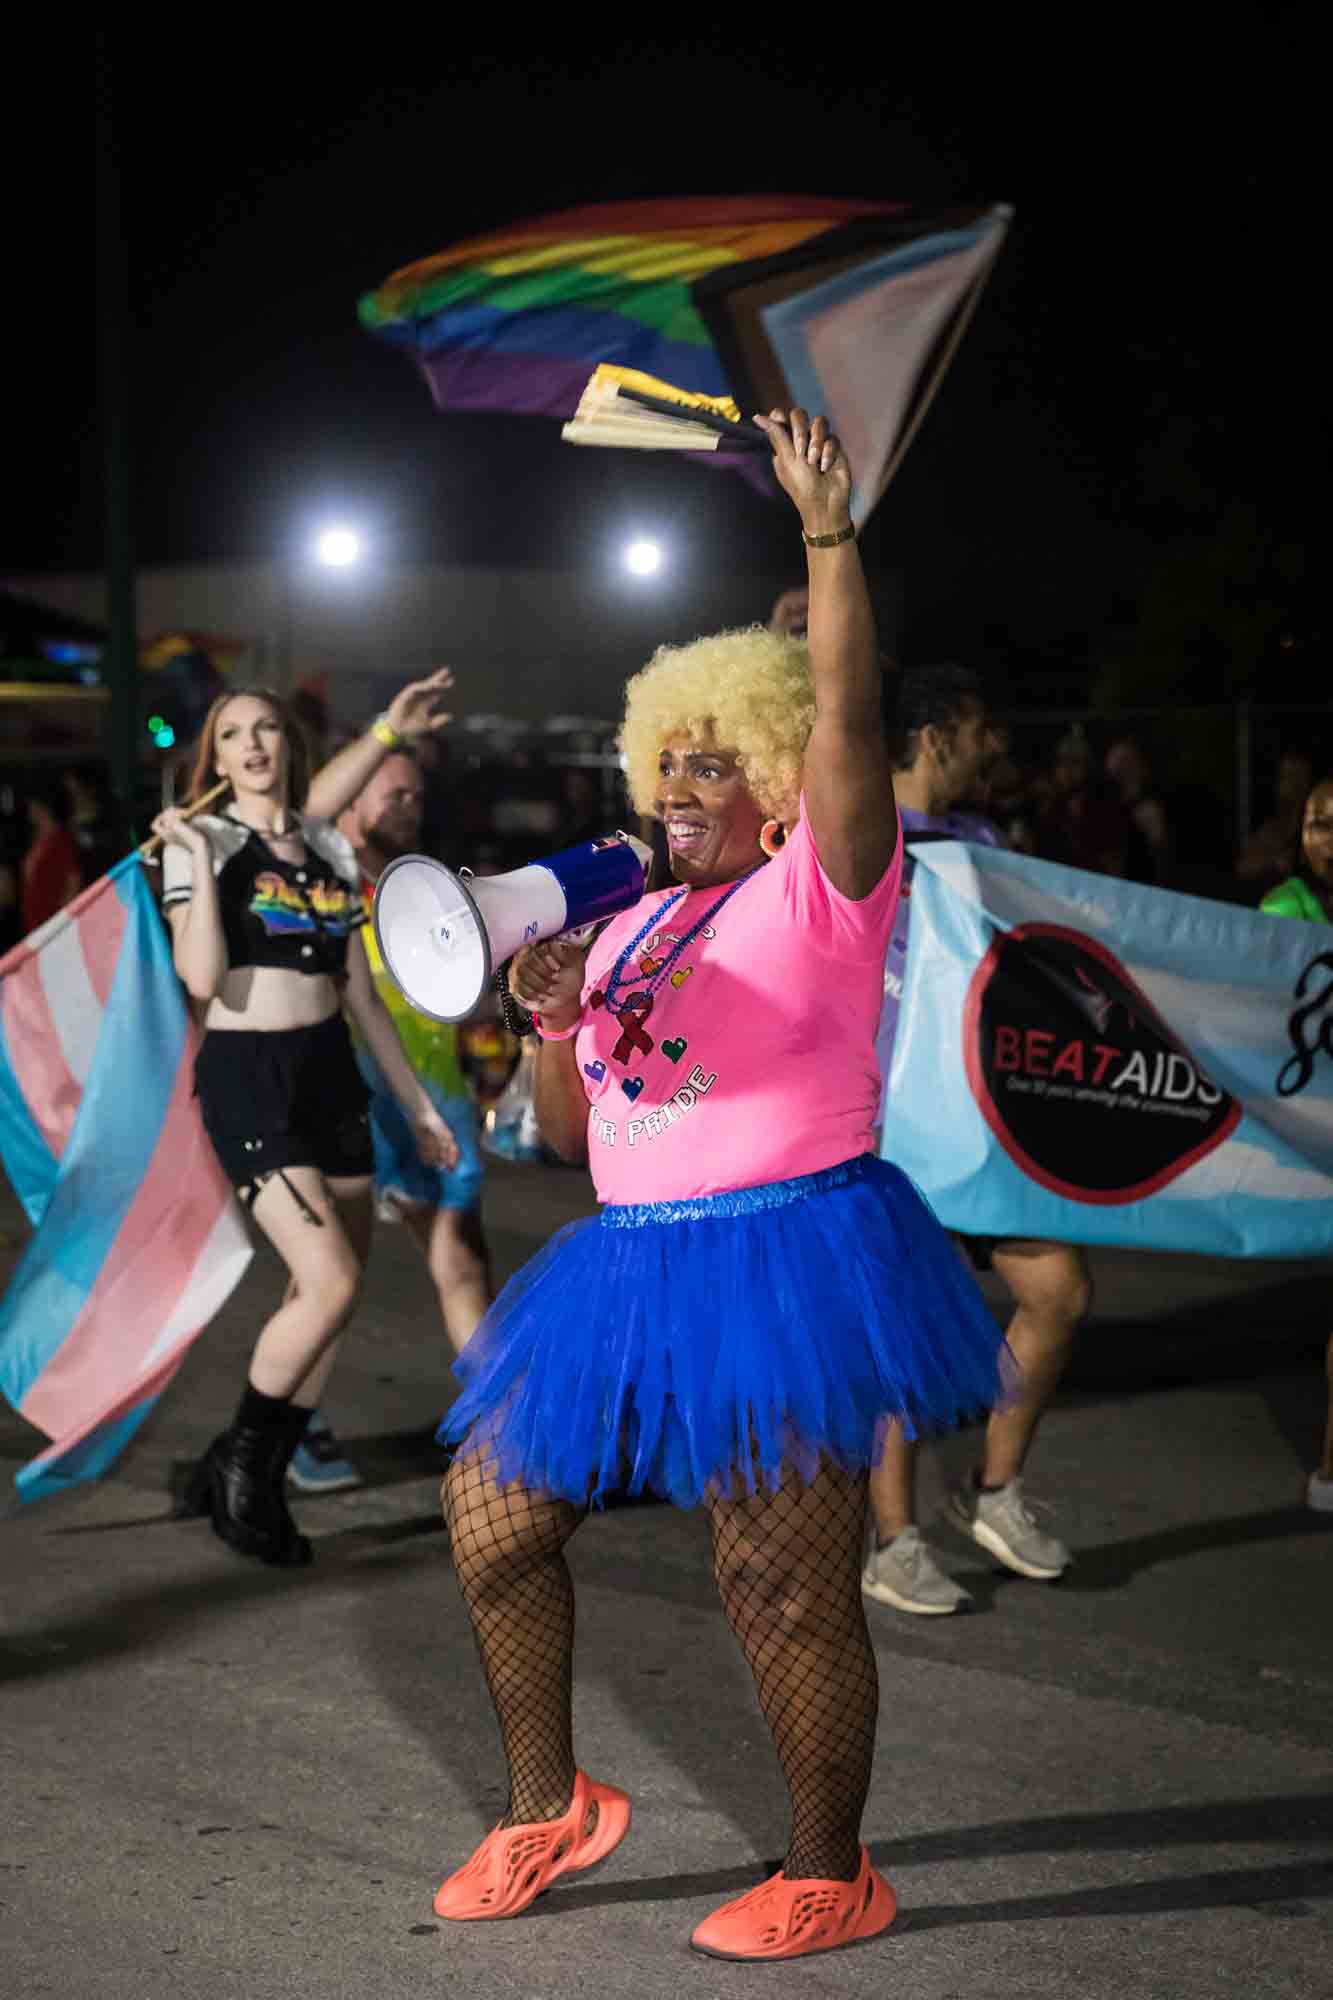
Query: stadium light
point(338, 547)
point(643, 558)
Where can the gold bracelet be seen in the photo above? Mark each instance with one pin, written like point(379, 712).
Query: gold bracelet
point(847, 534)
point(384, 732)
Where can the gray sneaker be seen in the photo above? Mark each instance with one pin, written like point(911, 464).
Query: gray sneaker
point(906, 1575)
point(1006, 1524)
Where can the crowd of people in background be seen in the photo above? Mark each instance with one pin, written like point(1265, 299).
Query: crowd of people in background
point(59, 832)
point(1090, 797)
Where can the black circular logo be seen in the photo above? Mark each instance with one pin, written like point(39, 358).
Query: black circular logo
point(1079, 1078)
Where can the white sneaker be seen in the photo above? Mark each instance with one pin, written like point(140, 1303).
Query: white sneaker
point(1319, 1494)
point(904, 1574)
point(1005, 1523)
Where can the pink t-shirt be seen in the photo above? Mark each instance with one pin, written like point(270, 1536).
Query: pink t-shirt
point(756, 1060)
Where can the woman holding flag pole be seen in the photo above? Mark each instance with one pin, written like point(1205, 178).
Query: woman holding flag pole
point(263, 904)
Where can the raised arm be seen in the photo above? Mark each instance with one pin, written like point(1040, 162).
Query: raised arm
point(847, 778)
point(413, 713)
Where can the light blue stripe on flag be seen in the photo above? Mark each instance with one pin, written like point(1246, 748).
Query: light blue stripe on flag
point(29, 1162)
point(45, 1476)
point(785, 322)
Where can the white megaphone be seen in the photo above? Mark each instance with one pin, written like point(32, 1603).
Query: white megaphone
point(442, 935)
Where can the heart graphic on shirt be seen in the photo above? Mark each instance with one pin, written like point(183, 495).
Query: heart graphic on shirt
point(596, 1070)
point(678, 978)
point(648, 966)
point(673, 1051)
point(631, 1085)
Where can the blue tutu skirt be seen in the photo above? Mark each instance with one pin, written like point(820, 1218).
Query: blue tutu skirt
point(694, 1347)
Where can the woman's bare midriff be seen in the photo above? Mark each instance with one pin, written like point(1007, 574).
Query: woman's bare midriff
point(269, 998)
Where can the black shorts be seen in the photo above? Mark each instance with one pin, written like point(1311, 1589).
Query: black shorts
point(285, 1098)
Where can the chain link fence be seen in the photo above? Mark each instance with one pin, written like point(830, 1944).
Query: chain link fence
point(1221, 771)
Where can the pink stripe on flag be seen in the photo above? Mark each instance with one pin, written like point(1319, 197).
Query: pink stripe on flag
point(101, 933)
point(145, 1272)
point(150, 1384)
point(36, 941)
point(50, 1089)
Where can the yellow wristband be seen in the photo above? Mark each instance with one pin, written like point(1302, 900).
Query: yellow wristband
point(384, 732)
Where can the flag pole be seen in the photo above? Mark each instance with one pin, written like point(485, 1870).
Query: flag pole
point(121, 667)
point(151, 845)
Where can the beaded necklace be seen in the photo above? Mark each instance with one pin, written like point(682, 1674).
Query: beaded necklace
point(663, 969)
point(634, 1009)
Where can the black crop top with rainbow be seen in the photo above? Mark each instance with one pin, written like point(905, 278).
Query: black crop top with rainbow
point(274, 912)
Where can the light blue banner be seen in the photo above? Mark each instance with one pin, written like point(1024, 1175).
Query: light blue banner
point(1093, 1061)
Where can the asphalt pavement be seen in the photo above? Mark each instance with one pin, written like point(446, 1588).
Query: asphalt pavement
point(225, 1781)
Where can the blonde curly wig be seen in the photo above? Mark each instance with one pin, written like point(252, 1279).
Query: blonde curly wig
point(749, 691)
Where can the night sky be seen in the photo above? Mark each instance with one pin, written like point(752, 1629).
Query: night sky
point(1148, 350)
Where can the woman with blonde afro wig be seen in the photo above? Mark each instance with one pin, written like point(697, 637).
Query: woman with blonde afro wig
point(760, 1294)
point(751, 690)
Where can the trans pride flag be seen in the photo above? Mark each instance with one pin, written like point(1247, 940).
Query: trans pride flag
point(138, 1239)
point(1091, 1061)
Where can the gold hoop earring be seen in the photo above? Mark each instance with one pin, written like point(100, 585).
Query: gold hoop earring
point(772, 837)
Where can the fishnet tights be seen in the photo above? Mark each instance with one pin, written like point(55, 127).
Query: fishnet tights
point(508, 1549)
point(787, 1565)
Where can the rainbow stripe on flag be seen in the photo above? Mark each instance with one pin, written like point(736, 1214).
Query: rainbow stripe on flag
point(852, 308)
point(516, 320)
point(138, 1239)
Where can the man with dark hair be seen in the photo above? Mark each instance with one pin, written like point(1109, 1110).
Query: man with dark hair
point(943, 739)
point(946, 700)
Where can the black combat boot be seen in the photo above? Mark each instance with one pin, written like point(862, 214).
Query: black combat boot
point(239, 1481)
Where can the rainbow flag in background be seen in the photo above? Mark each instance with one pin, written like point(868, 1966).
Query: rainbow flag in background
point(850, 307)
point(138, 1239)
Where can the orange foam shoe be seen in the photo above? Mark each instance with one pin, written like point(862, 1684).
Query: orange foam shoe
point(515, 1864)
point(787, 1919)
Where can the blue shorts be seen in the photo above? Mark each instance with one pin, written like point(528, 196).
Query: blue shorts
point(398, 1170)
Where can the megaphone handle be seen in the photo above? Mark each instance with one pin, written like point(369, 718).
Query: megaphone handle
point(517, 1019)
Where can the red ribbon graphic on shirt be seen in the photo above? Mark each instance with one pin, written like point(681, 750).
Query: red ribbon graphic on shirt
point(631, 1018)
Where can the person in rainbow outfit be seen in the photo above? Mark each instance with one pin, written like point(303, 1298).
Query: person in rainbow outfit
point(441, 1208)
point(760, 1294)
